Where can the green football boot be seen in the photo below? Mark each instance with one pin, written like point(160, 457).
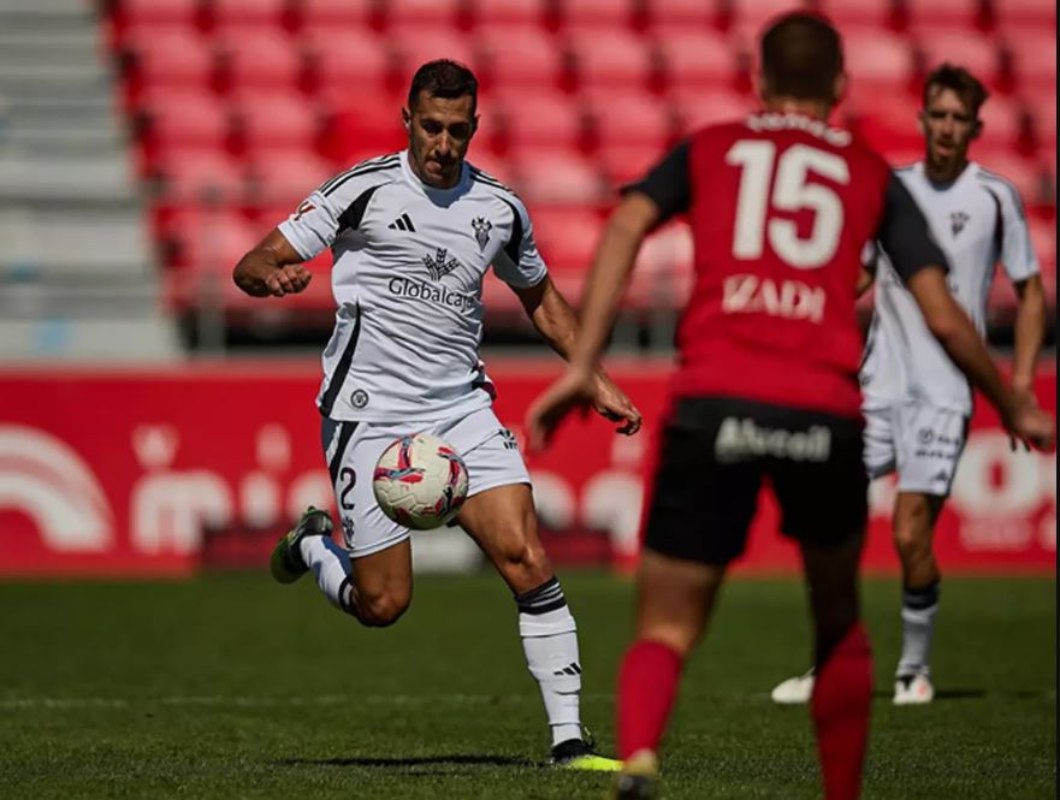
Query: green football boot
point(286, 563)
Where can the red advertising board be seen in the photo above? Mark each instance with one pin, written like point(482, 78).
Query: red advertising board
point(129, 471)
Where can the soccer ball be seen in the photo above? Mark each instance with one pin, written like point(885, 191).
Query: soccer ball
point(420, 481)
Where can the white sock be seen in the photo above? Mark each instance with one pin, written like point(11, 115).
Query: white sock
point(331, 565)
point(550, 642)
point(919, 608)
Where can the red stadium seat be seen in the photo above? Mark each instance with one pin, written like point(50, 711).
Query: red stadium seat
point(625, 163)
point(664, 272)
point(170, 57)
point(696, 58)
point(539, 118)
point(414, 45)
point(609, 13)
point(426, 13)
point(519, 56)
point(609, 57)
point(962, 47)
point(284, 176)
point(696, 109)
point(184, 231)
point(756, 14)
point(618, 116)
point(955, 13)
point(566, 237)
point(268, 119)
point(555, 176)
point(133, 13)
point(238, 13)
point(507, 12)
point(362, 122)
point(887, 123)
point(336, 14)
point(203, 178)
point(880, 13)
point(184, 118)
point(1033, 58)
point(1029, 12)
point(1042, 109)
point(877, 60)
point(344, 59)
point(259, 57)
point(684, 14)
point(1001, 123)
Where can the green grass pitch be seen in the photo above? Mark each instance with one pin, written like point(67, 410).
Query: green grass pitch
point(231, 686)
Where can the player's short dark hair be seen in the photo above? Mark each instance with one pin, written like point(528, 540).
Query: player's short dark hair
point(802, 55)
point(444, 78)
point(965, 84)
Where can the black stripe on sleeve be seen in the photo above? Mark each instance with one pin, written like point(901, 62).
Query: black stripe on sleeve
point(513, 247)
point(999, 220)
point(354, 213)
point(904, 233)
point(359, 169)
point(342, 369)
point(668, 184)
point(357, 174)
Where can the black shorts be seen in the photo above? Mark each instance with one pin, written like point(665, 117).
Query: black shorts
point(714, 455)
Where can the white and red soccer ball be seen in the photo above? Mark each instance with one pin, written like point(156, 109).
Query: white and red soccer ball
point(420, 481)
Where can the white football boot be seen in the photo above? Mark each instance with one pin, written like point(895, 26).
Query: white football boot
point(794, 691)
point(913, 690)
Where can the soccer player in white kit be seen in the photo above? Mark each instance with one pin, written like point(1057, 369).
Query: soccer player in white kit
point(413, 234)
point(917, 403)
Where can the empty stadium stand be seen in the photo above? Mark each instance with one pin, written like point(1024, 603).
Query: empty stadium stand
point(237, 107)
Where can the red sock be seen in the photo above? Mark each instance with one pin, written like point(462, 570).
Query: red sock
point(842, 698)
point(647, 685)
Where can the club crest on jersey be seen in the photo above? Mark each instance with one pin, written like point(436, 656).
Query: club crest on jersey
point(482, 228)
point(440, 265)
point(958, 219)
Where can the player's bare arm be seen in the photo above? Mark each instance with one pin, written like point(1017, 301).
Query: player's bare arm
point(273, 268)
point(612, 265)
point(949, 323)
point(554, 319)
point(1030, 332)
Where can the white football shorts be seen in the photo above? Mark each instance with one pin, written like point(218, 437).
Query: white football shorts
point(490, 452)
point(921, 442)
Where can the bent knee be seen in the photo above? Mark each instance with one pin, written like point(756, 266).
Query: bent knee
point(382, 610)
point(912, 539)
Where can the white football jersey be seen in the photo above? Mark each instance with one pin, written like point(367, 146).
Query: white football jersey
point(977, 220)
point(409, 261)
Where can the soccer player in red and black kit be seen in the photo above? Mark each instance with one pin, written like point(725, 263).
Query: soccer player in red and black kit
point(766, 388)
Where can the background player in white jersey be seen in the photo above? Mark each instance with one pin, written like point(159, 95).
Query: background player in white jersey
point(413, 235)
point(917, 403)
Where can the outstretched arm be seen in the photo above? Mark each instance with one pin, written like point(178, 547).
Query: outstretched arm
point(1030, 331)
point(610, 272)
point(273, 268)
point(554, 319)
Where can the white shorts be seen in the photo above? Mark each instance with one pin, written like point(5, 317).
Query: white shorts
point(352, 449)
point(921, 442)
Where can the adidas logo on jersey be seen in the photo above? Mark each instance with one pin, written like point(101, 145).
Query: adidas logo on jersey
point(402, 223)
